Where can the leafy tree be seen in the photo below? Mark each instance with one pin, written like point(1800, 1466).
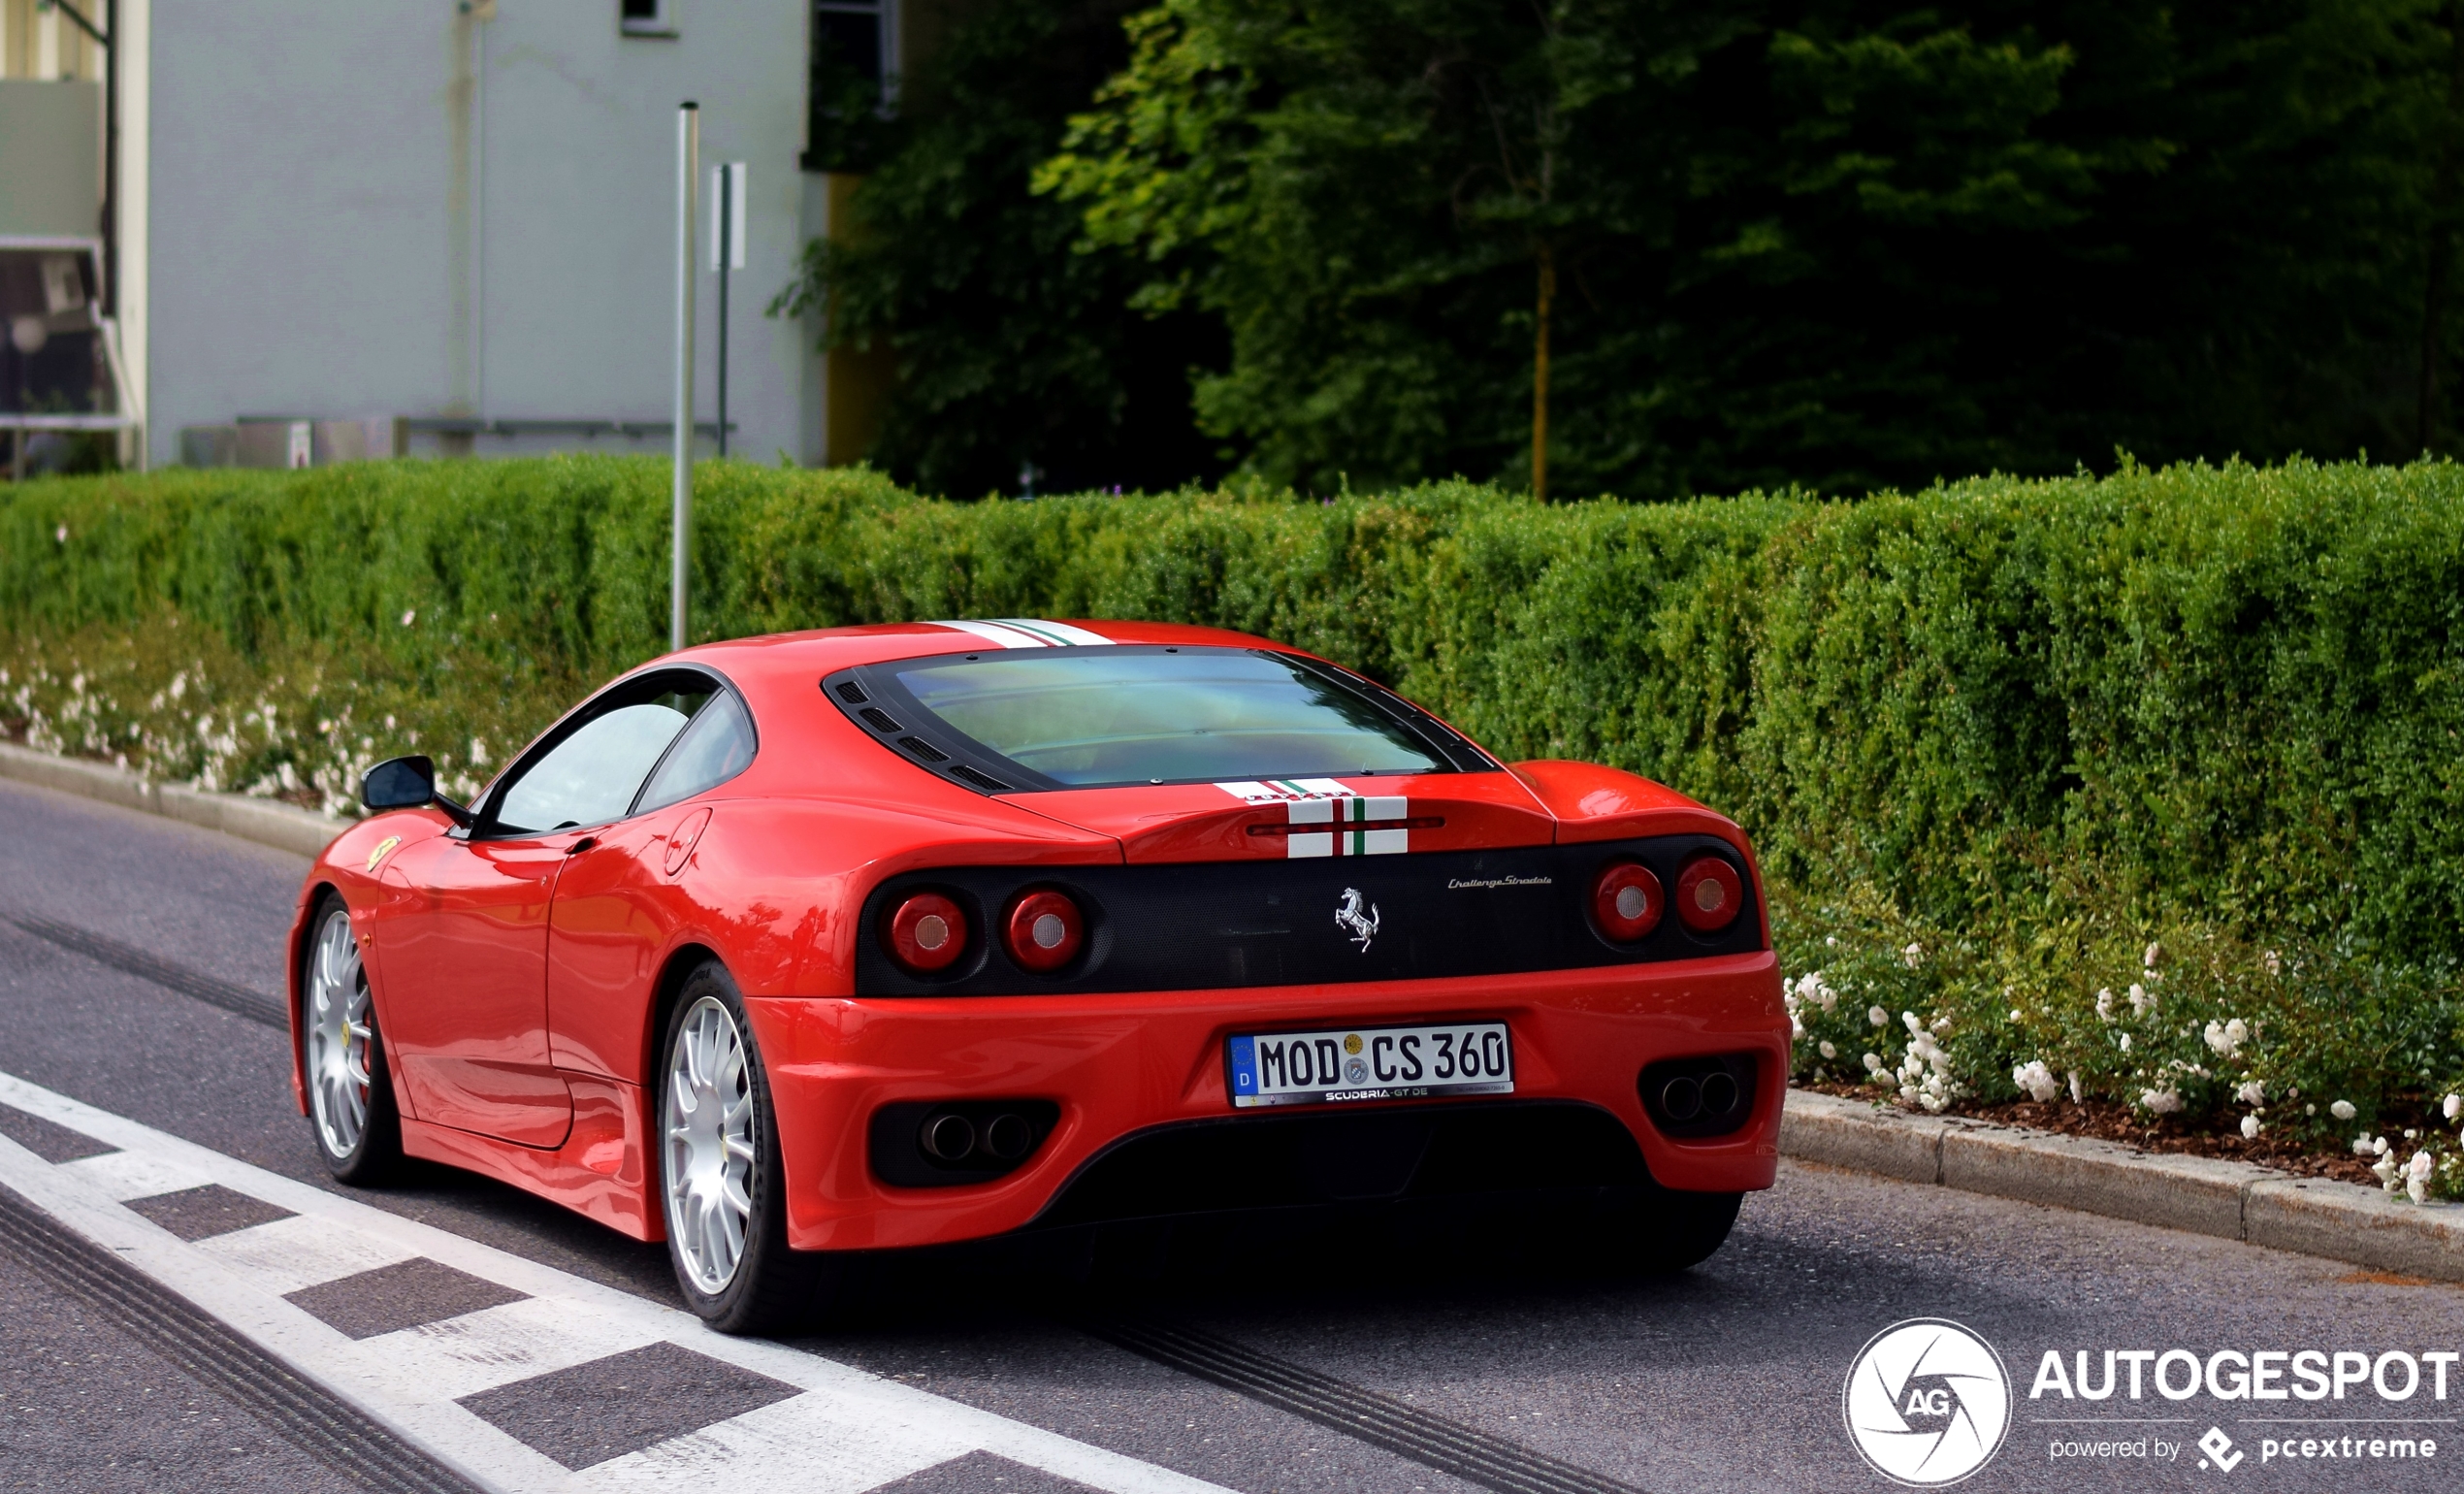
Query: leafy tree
point(1015, 353)
point(1746, 243)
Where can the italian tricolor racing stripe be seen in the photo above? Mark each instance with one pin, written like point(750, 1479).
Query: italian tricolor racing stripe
point(1025, 632)
point(1353, 824)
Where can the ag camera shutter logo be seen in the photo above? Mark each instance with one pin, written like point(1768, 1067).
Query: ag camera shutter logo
point(1926, 1403)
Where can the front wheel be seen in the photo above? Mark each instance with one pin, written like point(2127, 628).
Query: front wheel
point(350, 1094)
point(719, 1170)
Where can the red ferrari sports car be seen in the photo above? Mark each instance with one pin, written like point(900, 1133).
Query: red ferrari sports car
point(891, 937)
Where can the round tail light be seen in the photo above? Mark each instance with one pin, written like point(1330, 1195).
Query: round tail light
point(1709, 895)
point(1043, 931)
point(1626, 902)
point(928, 933)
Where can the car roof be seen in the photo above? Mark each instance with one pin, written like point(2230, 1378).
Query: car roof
point(798, 659)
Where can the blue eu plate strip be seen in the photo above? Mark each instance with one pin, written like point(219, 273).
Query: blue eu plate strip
point(1244, 1065)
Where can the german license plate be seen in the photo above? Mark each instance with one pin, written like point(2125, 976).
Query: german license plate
point(1369, 1063)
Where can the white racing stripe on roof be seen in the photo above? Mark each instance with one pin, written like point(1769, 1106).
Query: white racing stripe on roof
point(847, 1431)
point(1025, 632)
point(1061, 634)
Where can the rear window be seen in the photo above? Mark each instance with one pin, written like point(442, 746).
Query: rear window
point(1093, 717)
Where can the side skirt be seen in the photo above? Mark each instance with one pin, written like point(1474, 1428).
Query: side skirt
point(602, 1171)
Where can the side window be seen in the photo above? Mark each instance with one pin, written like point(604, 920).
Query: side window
point(714, 748)
point(589, 778)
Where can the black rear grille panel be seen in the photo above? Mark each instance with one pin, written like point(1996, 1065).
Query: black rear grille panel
point(1339, 1156)
point(1229, 924)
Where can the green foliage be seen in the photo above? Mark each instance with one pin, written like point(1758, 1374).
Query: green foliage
point(1012, 349)
point(2029, 727)
point(1840, 245)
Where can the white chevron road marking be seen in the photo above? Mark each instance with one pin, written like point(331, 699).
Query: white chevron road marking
point(845, 1432)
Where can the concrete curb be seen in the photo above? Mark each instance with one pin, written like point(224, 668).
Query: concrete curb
point(2231, 1200)
point(267, 822)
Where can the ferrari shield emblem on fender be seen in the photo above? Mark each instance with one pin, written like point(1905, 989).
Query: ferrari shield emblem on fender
point(1362, 927)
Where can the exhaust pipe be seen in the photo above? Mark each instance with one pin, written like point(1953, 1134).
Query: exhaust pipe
point(1008, 1137)
point(949, 1137)
point(1681, 1098)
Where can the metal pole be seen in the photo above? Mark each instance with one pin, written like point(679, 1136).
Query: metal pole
point(688, 180)
point(727, 249)
point(111, 159)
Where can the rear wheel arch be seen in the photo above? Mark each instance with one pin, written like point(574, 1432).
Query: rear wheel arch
point(681, 961)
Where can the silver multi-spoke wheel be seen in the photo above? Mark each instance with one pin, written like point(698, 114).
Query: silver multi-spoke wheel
point(707, 1121)
point(340, 1038)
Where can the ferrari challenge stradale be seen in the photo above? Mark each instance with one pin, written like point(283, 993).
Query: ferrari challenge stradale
point(798, 948)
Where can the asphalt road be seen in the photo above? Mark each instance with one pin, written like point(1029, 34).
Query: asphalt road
point(1727, 1377)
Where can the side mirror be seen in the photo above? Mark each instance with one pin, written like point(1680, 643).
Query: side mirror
point(399, 783)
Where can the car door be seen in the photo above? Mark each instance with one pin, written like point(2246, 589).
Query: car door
point(464, 926)
point(619, 903)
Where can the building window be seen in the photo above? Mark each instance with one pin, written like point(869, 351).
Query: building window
point(853, 81)
point(646, 17)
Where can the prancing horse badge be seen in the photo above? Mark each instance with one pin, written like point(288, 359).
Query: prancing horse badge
point(1349, 914)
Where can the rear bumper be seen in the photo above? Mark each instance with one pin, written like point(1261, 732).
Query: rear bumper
point(1133, 1072)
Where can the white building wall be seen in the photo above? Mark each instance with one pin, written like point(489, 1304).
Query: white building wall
point(418, 210)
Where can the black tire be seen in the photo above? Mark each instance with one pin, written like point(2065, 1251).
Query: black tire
point(374, 1155)
point(772, 1289)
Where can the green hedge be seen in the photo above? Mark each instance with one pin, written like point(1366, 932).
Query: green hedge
point(2074, 713)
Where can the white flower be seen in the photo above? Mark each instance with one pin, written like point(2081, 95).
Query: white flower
point(2417, 1177)
point(2104, 1004)
point(2252, 1126)
point(2380, 1148)
point(1913, 956)
point(1915, 1027)
point(2037, 1080)
point(408, 615)
point(2252, 1092)
point(2163, 1102)
point(2454, 1104)
point(1828, 1051)
point(1873, 1063)
point(2227, 1038)
point(2274, 963)
point(61, 534)
point(2015, 1015)
point(2140, 1000)
point(2077, 1095)
point(2342, 1110)
point(2126, 1042)
point(1878, 1016)
point(2390, 1171)
point(2361, 1146)
point(1795, 1028)
point(478, 752)
point(2155, 953)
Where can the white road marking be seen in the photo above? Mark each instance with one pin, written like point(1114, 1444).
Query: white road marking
point(497, 1346)
point(847, 1425)
point(283, 1256)
point(125, 1175)
point(805, 1443)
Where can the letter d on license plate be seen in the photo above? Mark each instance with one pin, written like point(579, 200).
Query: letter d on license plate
point(1369, 1064)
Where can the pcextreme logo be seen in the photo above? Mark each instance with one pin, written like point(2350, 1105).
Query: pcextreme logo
point(1926, 1402)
